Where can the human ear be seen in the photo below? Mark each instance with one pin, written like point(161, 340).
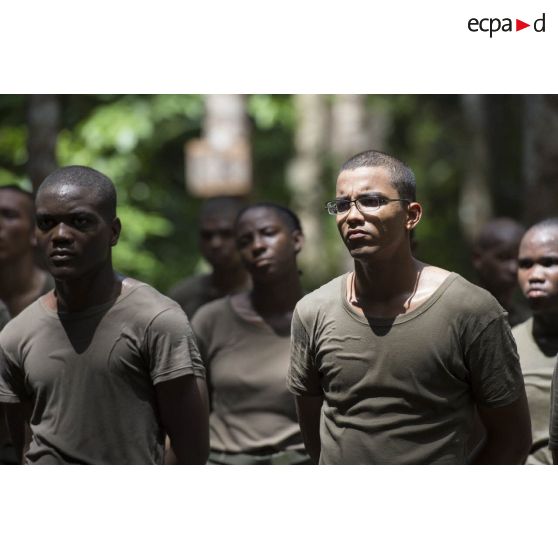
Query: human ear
point(298, 240)
point(414, 214)
point(116, 227)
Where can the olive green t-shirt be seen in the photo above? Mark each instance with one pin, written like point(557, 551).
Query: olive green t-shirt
point(193, 292)
point(402, 390)
point(4, 315)
point(553, 442)
point(89, 376)
point(247, 362)
point(537, 368)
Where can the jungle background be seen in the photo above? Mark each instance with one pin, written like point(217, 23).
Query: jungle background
point(475, 157)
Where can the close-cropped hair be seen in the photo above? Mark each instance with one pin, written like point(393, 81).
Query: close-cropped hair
point(288, 216)
point(402, 177)
point(88, 178)
point(550, 223)
point(221, 205)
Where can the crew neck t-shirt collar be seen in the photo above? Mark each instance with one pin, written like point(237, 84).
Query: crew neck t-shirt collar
point(400, 318)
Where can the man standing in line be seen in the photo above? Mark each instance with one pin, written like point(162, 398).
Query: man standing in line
point(103, 365)
point(218, 247)
point(537, 338)
point(388, 362)
point(494, 258)
point(21, 280)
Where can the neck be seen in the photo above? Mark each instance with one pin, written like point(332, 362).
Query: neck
point(17, 276)
point(95, 289)
point(378, 281)
point(230, 280)
point(545, 326)
point(279, 297)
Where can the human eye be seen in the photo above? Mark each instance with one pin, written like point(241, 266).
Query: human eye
point(82, 221)
point(342, 205)
point(44, 222)
point(549, 262)
point(371, 202)
point(525, 263)
point(243, 241)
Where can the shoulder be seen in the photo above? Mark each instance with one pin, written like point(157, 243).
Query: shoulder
point(21, 328)
point(146, 302)
point(523, 332)
point(211, 312)
point(320, 299)
point(188, 286)
point(464, 296)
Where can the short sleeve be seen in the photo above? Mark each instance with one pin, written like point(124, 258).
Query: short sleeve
point(11, 380)
point(553, 443)
point(171, 347)
point(303, 377)
point(201, 325)
point(4, 315)
point(493, 362)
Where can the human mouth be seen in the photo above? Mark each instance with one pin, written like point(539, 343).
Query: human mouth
point(60, 256)
point(263, 262)
point(356, 234)
point(536, 293)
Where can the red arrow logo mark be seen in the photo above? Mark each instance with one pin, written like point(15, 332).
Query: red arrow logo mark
point(519, 25)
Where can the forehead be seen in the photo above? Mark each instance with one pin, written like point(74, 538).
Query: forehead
point(217, 222)
point(259, 217)
point(540, 240)
point(364, 180)
point(11, 199)
point(66, 197)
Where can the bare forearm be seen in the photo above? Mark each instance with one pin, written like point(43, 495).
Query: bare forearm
point(185, 416)
point(309, 411)
point(508, 434)
point(15, 417)
point(498, 453)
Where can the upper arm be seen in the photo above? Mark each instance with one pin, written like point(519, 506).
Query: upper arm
point(495, 373)
point(303, 378)
point(171, 347)
point(553, 443)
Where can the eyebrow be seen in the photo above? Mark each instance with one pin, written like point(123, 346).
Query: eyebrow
point(364, 195)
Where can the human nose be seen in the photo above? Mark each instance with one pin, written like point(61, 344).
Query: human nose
point(61, 234)
point(354, 212)
point(215, 241)
point(258, 245)
point(536, 274)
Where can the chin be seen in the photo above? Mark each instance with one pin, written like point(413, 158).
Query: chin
point(64, 273)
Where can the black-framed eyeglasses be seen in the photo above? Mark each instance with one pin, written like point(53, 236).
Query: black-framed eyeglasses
point(365, 204)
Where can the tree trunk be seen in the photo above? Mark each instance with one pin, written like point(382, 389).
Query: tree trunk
point(540, 160)
point(305, 180)
point(43, 121)
point(475, 204)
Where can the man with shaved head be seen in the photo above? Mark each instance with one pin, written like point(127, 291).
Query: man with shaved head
point(218, 247)
point(21, 280)
point(104, 366)
point(537, 338)
point(494, 257)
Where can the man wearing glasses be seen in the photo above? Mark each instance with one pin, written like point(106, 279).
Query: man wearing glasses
point(389, 361)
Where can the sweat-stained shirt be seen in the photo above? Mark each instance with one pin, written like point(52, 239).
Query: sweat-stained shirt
point(402, 390)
